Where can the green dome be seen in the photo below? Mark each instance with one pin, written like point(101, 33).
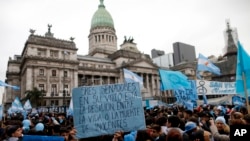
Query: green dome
point(102, 17)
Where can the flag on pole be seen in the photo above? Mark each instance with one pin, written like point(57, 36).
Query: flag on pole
point(70, 110)
point(16, 105)
point(27, 105)
point(1, 112)
point(129, 77)
point(206, 65)
point(243, 66)
point(7, 85)
point(171, 80)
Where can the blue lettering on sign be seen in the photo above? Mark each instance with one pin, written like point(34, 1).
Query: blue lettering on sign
point(100, 110)
point(215, 84)
point(183, 94)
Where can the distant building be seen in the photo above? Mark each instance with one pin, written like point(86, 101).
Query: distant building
point(183, 53)
point(231, 39)
point(156, 53)
point(164, 61)
point(227, 63)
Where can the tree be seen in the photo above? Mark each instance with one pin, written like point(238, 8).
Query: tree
point(35, 96)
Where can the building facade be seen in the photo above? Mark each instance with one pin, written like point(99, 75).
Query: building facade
point(183, 53)
point(156, 53)
point(53, 65)
point(164, 61)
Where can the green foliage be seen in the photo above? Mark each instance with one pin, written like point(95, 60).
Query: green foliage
point(35, 96)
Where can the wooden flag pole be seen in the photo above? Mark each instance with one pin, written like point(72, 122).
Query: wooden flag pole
point(245, 90)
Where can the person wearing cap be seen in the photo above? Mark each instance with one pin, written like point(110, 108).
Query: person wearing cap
point(14, 132)
point(195, 133)
point(204, 120)
point(221, 125)
point(39, 129)
point(215, 133)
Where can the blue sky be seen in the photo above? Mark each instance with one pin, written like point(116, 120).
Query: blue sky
point(154, 24)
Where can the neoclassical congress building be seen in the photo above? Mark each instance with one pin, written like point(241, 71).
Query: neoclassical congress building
point(53, 65)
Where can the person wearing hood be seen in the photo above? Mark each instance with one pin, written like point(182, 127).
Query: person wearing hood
point(221, 125)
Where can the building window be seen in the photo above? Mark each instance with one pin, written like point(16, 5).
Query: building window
point(41, 52)
point(100, 66)
point(65, 73)
point(56, 103)
point(52, 103)
point(68, 102)
point(41, 88)
point(53, 53)
point(108, 67)
point(41, 72)
point(44, 103)
point(54, 89)
point(92, 65)
point(53, 72)
point(66, 88)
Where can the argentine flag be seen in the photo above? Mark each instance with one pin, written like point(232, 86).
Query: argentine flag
point(16, 105)
point(206, 65)
point(129, 77)
point(27, 105)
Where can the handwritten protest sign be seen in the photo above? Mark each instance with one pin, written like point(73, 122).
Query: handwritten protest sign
point(186, 94)
point(105, 109)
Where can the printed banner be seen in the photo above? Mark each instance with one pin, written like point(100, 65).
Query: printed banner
point(105, 109)
point(215, 87)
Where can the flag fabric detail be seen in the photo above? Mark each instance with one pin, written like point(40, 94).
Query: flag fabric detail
point(206, 65)
point(7, 85)
point(243, 66)
point(129, 77)
point(171, 80)
point(27, 105)
point(1, 112)
point(70, 110)
point(16, 105)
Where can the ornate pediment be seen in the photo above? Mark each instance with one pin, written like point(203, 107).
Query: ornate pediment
point(143, 63)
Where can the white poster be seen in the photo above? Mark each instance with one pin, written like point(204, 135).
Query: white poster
point(215, 87)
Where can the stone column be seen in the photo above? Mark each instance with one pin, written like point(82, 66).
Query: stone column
point(157, 86)
point(153, 85)
point(147, 82)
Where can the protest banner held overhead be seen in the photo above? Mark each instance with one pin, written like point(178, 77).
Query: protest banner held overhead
point(105, 109)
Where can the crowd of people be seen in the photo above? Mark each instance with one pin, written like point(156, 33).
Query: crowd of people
point(173, 123)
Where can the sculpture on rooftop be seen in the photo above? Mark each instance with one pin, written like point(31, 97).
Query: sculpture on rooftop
point(129, 40)
point(32, 31)
point(49, 27)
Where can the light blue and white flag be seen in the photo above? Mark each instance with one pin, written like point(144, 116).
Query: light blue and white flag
point(70, 110)
point(27, 105)
point(172, 80)
point(243, 67)
point(1, 112)
point(16, 105)
point(130, 77)
point(206, 65)
point(7, 85)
